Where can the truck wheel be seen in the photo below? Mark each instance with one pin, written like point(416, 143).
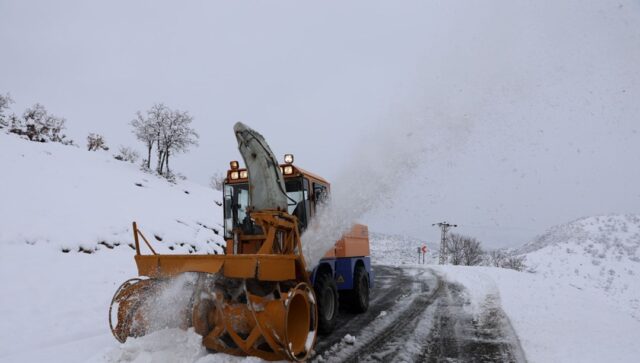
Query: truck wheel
point(327, 296)
point(360, 296)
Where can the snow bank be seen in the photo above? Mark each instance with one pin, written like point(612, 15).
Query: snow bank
point(72, 199)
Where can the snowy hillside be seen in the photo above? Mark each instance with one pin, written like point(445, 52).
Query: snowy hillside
point(55, 199)
point(70, 200)
point(596, 253)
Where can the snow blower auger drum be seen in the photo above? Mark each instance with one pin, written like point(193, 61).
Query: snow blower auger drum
point(258, 304)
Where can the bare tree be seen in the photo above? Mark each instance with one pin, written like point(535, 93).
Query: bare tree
point(95, 142)
point(217, 181)
point(471, 251)
point(5, 101)
point(455, 245)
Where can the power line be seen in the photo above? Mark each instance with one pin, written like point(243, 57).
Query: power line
point(444, 227)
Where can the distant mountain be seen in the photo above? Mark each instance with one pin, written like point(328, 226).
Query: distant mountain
point(601, 252)
point(73, 200)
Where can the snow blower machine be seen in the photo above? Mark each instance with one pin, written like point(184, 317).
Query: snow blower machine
point(258, 298)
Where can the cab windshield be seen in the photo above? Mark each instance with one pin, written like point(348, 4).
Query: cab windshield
point(236, 201)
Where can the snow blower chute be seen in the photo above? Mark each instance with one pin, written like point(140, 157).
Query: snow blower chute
point(258, 304)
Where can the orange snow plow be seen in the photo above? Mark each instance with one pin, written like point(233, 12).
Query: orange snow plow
point(260, 298)
point(242, 304)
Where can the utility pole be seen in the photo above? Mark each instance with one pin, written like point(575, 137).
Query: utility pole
point(444, 227)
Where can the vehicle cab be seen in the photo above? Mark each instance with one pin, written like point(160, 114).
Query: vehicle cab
point(305, 191)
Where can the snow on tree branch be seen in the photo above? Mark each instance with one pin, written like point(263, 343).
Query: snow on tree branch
point(36, 124)
point(166, 129)
point(5, 101)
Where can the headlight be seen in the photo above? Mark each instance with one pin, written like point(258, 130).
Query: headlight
point(234, 165)
point(243, 174)
point(288, 170)
point(288, 158)
point(234, 175)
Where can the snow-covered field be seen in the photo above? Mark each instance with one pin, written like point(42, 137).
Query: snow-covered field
point(580, 304)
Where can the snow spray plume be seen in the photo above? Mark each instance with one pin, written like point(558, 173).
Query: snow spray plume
point(377, 170)
point(170, 304)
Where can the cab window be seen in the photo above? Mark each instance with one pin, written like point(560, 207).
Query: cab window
point(236, 201)
point(320, 194)
point(298, 205)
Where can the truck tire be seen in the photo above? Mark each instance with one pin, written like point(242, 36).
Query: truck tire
point(360, 294)
point(327, 296)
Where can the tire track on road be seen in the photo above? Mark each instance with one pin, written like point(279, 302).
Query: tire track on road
point(391, 284)
point(404, 322)
point(458, 336)
point(434, 324)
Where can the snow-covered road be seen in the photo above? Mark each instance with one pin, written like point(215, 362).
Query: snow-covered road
point(416, 315)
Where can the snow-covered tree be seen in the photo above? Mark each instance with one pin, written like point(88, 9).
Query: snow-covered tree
point(506, 259)
point(463, 250)
point(37, 124)
point(514, 263)
point(217, 181)
point(127, 154)
point(96, 142)
point(169, 130)
point(176, 136)
point(496, 258)
point(147, 128)
point(455, 248)
point(5, 101)
point(471, 252)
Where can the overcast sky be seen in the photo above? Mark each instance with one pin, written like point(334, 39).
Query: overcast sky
point(505, 117)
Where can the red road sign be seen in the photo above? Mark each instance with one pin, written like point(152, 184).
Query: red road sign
point(424, 249)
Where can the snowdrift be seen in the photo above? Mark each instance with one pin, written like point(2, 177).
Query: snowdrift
point(74, 200)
